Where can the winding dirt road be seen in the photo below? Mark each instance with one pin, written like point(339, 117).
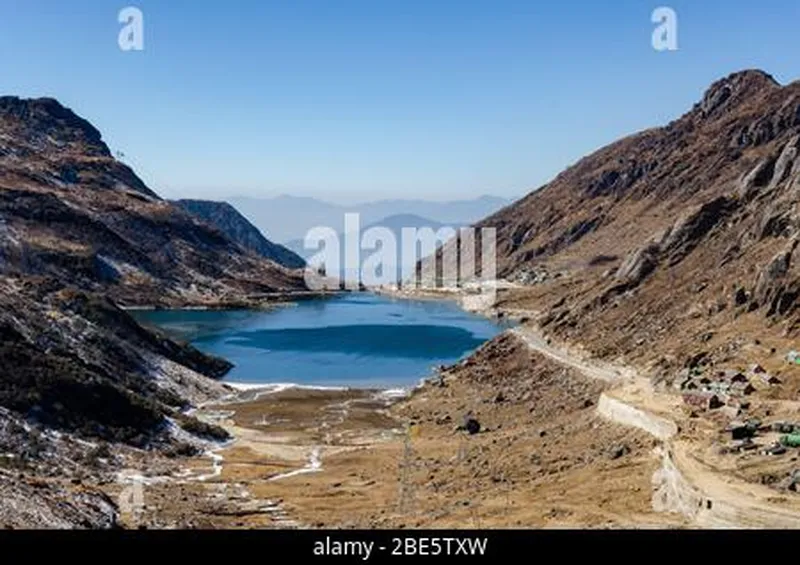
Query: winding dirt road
point(683, 484)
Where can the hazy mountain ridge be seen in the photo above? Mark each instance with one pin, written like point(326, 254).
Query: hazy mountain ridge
point(232, 223)
point(394, 224)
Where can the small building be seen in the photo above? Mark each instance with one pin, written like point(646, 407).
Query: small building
point(744, 430)
point(689, 384)
point(741, 432)
point(698, 400)
point(738, 378)
point(783, 427)
point(743, 389)
point(770, 379)
point(703, 400)
point(720, 388)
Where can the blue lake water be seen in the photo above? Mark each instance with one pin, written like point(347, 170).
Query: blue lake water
point(357, 340)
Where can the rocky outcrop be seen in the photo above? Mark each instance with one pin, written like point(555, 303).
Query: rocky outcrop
point(674, 244)
point(689, 230)
point(49, 124)
point(787, 164)
point(229, 221)
point(639, 264)
point(47, 144)
point(77, 363)
point(775, 288)
point(736, 89)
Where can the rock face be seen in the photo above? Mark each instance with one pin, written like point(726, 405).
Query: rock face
point(774, 287)
point(690, 230)
point(639, 264)
point(230, 222)
point(77, 363)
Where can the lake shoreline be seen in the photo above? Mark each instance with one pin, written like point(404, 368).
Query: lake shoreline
point(448, 296)
point(335, 456)
point(264, 302)
point(356, 340)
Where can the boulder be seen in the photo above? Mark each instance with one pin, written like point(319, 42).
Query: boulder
point(639, 264)
point(786, 161)
point(618, 451)
point(692, 228)
point(759, 177)
point(472, 426)
point(775, 287)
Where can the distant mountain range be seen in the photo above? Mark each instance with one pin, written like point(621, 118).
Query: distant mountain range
point(286, 218)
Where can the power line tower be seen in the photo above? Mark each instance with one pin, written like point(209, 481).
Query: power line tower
point(407, 492)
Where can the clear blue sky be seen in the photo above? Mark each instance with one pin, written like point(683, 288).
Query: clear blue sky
point(383, 98)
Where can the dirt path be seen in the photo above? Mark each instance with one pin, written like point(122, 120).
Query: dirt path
point(592, 369)
point(684, 483)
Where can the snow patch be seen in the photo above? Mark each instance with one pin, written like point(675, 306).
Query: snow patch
point(314, 465)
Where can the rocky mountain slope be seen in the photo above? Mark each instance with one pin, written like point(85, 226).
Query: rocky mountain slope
point(666, 264)
point(229, 221)
point(677, 240)
point(68, 209)
point(80, 237)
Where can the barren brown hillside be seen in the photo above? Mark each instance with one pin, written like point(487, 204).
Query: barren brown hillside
point(676, 240)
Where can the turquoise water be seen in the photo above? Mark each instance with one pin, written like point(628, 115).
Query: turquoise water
point(358, 340)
